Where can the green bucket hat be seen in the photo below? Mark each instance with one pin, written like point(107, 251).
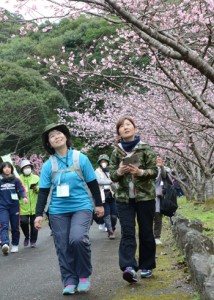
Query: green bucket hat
point(60, 127)
point(103, 157)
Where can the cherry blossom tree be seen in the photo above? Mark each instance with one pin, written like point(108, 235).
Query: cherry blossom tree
point(179, 33)
point(175, 108)
point(173, 130)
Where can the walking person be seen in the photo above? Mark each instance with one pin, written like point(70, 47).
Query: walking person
point(70, 207)
point(106, 186)
point(176, 185)
point(11, 189)
point(28, 212)
point(162, 173)
point(133, 167)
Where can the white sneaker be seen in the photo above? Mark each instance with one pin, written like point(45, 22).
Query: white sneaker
point(5, 249)
point(158, 242)
point(102, 227)
point(14, 249)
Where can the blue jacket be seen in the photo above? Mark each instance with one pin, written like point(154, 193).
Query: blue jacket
point(11, 190)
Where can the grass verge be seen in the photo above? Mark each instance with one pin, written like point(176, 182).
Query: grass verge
point(204, 212)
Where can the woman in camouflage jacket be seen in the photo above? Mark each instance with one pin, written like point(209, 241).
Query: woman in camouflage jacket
point(135, 196)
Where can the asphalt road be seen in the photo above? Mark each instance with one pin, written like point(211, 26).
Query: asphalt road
point(34, 273)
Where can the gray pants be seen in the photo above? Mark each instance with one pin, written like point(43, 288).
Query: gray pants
point(71, 238)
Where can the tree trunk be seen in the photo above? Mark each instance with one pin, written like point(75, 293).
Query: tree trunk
point(200, 195)
point(209, 188)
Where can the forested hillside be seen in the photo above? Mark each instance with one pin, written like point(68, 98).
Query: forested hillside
point(151, 60)
point(28, 102)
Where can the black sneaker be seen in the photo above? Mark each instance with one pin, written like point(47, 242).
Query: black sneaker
point(26, 242)
point(130, 275)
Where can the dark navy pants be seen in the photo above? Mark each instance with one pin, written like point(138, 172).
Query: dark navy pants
point(71, 238)
point(10, 214)
point(110, 216)
point(127, 213)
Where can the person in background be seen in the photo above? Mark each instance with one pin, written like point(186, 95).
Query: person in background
point(11, 189)
point(135, 197)
point(100, 222)
point(162, 171)
point(177, 186)
point(102, 226)
point(28, 212)
point(70, 208)
point(106, 185)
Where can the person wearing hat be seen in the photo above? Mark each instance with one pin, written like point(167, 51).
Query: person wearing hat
point(70, 207)
point(106, 186)
point(28, 212)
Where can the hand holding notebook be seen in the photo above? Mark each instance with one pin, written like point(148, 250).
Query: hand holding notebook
point(131, 160)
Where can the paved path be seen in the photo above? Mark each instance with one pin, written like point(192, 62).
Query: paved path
point(33, 274)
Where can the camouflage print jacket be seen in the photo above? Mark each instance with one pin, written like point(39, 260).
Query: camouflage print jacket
point(144, 186)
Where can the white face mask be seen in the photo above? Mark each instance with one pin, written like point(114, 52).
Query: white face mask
point(104, 165)
point(27, 171)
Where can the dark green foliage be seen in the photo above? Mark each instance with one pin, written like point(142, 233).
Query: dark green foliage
point(9, 27)
point(27, 103)
point(24, 91)
point(17, 48)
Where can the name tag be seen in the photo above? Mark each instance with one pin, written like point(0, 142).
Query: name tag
point(14, 196)
point(62, 191)
point(161, 183)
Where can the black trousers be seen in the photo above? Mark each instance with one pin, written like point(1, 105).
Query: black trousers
point(27, 226)
point(158, 225)
point(127, 213)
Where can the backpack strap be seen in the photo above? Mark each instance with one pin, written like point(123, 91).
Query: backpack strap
point(77, 169)
point(55, 170)
point(54, 165)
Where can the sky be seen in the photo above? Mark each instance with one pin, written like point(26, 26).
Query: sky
point(27, 12)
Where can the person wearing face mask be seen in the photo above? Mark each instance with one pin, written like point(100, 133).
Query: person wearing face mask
point(28, 212)
point(106, 188)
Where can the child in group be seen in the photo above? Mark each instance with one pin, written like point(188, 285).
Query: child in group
point(11, 189)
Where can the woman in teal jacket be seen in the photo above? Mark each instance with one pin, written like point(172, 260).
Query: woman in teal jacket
point(27, 212)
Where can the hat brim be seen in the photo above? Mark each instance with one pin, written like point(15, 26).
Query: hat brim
point(27, 166)
point(61, 127)
point(103, 158)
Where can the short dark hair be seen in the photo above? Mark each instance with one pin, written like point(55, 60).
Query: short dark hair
point(45, 139)
point(6, 164)
point(121, 121)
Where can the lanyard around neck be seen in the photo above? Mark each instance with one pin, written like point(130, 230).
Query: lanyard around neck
point(65, 163)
